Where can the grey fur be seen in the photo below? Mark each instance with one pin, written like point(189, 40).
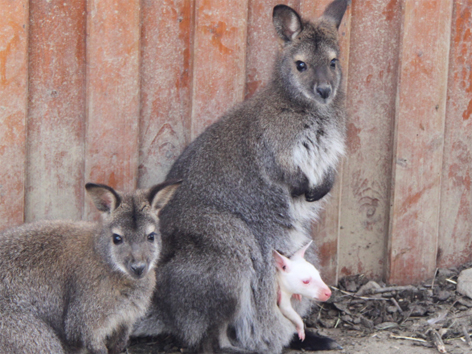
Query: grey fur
point(67, 287)
point(252, 183)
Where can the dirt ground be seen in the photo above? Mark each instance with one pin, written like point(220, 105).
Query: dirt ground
point(384, 342)
point(366, 317)
point(353, 342)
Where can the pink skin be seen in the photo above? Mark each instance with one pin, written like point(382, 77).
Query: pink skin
point(296, 278)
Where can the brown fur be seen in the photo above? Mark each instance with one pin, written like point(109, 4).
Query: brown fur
point(66, 286)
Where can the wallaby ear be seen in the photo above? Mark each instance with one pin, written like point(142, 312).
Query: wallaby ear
point(301, 252)
point(105, 198)
point(160, 194)
point(282, 262)
point(287, 22)
point(334, 12)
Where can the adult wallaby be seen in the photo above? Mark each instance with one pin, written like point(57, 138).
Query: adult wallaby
point(69, 286)
point(251, 184)
point(296, 278)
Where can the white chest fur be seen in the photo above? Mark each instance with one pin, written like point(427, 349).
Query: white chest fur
point(314, 154)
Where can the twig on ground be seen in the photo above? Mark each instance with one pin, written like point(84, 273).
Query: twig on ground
point(451, 281)
point(393, 288)
point(407, 316)
point(434, 278)
point(357, 296)
point(447, 340)
point(409, 338)
point(466, 336)
point(437, 340)
point(396, 305)
point(337, 322)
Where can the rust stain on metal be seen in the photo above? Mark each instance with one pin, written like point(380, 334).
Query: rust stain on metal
point(391, 10)
point(56, 116)
point(10, 39)
point(113, 88)
point(371, 88)
point(217, 32)
point(455, 226)
point(262, 42)
point(414, 219)
point(166, 74)
point(219, 60)
point(353, 138)
point(13, 110)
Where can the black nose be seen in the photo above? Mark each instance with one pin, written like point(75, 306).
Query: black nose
point(138, 268)
point(324, 91)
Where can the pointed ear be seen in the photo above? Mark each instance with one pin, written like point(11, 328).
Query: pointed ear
point(160, 194)
point(105, 198)
point(301, 252)
point(334, 12)
point(282, 263)
point(287, 22)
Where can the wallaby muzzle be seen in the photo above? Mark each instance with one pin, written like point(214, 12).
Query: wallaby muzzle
point(322, 87)
point(138, 269)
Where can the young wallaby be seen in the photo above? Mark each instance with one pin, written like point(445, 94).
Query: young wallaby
point(296, 276)
point(72, 286)
point(253, 182)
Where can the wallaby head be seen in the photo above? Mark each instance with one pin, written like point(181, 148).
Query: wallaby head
point(129, 239)
point(298, 276)
point(308, 64)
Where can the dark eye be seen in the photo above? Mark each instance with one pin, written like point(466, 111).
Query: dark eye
point(152, 237)
point(301, 66)
point(333, 63)
point(117, 239)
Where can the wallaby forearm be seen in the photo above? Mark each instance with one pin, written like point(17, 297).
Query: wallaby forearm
point(288, 311)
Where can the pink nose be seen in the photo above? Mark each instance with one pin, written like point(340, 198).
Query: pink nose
point(325, 294)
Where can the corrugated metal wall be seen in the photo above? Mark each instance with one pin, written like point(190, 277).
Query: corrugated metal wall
point(111, 91)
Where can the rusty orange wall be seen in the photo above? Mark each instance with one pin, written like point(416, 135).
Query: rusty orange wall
point(112, 91)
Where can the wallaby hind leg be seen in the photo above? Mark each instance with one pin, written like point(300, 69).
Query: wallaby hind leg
point(210, 346)
point(117, 343)
point(25, 334)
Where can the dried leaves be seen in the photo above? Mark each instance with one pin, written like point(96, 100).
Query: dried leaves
point(432, 312)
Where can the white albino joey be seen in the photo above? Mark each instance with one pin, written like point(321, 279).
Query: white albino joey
point(296, 277)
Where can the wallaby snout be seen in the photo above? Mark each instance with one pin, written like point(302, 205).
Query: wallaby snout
point(325, 79)
point(324, 91)
point(325, 294)
point(138, 269)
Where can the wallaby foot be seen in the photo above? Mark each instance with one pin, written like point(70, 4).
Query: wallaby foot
point(301, 333)
point(314, 341)
point(119, 341)
point(211, 346)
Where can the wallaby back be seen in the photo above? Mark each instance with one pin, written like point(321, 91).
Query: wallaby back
point(252, 182)
point(70, 285)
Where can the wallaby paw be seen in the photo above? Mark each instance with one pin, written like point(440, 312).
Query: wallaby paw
point(297, 297)
point(301, 334)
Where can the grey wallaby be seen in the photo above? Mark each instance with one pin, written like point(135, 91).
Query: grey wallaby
point(253, 182)
point(66, 286)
